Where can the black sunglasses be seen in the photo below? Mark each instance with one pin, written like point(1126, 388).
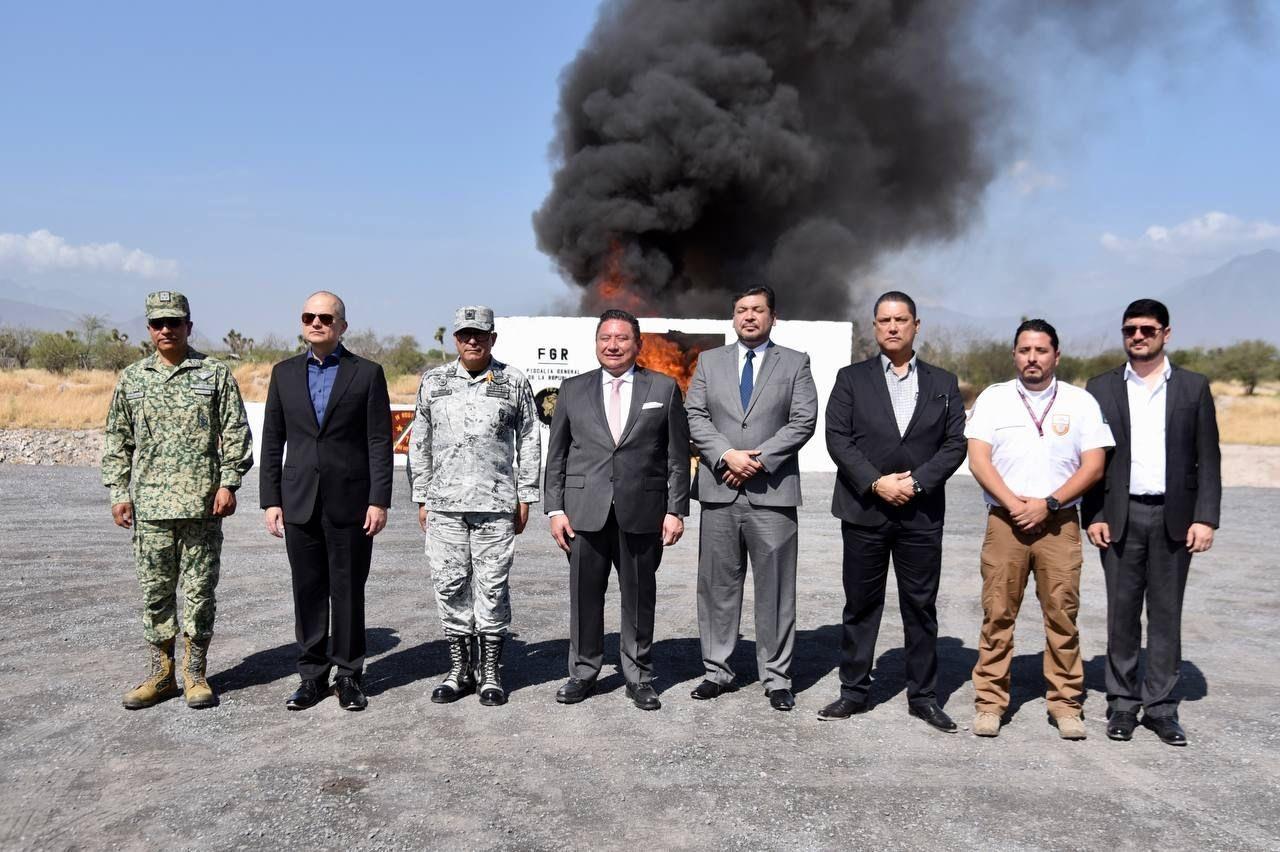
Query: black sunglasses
point(1147, 330)
point(166, 322)
point(325, 319)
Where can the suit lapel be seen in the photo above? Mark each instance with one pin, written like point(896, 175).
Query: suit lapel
point(640, 382)
point(347, 366)
point(770, 361)
point(924, 394)
point(303, 382)
point(728, 368)
point(1173, 387)
point(875, 374)
point(1121, 393)
point(597, 401)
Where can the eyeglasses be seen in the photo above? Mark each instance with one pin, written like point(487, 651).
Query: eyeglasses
point(166, 322)
point(1147, 330)
point(325, 319)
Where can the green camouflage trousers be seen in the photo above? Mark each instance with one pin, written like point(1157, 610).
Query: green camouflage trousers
point(186, 551)
point(470, 555)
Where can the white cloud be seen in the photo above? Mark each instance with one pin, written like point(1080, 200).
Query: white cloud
point(1212, 233)
point(1029, 180)
point(42, 251)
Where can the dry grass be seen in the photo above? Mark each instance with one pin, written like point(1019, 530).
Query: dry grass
point(36, 399)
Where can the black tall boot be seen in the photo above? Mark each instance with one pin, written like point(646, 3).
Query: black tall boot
point(461, 680)
point(491, 691)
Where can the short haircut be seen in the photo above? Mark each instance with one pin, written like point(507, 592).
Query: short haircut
point(1147, 308)
point(338, 304)
point(763, 290)
point(1040, 326)
point(619, 314)
point(895, 296)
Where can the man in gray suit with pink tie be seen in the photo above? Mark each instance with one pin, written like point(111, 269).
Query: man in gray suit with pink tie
point(752, 405)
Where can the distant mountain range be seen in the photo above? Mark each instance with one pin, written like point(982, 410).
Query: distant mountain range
point(1239, 300)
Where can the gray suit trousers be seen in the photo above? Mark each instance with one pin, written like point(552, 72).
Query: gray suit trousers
point(729, 534)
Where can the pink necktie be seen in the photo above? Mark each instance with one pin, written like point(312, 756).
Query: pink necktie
point(615, 410)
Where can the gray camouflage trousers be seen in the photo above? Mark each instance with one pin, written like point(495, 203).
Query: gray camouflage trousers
point(186, 551)
point(470, 555)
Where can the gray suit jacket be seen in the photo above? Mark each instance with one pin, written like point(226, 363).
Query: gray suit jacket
point(778, 421)
point(643, 478)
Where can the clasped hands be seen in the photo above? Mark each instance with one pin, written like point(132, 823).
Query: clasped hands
point(740, 465)
point(894, 488)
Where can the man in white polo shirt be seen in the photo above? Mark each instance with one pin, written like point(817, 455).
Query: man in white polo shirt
point(1035, 446)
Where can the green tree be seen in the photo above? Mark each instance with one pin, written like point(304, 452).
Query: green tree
point(239, 346)
point(113, 351)
point(1249, 362)
point(15, 346)
point(57, 353)
point(403, 357)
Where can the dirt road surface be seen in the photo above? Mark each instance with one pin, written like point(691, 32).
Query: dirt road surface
point(78, 771)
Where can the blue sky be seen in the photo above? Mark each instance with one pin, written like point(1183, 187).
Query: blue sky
point(248, 155)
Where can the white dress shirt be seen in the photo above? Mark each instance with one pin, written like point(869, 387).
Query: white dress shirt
point(628, 381)
point(743, 349)
point(1146, 430)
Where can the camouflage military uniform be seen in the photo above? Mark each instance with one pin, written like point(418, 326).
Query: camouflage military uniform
point(474, 453)
point(175, 435)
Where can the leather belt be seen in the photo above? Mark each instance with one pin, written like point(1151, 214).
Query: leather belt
point(1147, 499)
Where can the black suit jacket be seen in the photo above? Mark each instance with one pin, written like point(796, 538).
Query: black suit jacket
point(643, 478)
point(1192, 458)
point(863, 439)
point(346, 461)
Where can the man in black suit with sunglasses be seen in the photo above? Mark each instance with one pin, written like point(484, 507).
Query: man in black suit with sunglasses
point(329, 497)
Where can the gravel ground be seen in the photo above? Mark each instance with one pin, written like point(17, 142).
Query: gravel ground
point(77, 771)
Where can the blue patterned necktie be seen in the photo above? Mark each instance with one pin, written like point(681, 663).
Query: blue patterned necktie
point(748, 380)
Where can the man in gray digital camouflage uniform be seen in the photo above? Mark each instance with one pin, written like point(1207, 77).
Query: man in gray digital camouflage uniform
point(474, 455)
point(177, 446)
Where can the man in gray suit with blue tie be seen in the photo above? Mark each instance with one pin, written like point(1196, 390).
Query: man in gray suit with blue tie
point(752, 405)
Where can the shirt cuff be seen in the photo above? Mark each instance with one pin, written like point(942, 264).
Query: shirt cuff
point(552, 513)
point(120, 494)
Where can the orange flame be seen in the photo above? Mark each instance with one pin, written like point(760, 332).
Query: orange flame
point(614, 289)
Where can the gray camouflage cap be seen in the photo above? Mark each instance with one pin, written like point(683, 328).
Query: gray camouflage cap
point(167, 303)
point(473, 316)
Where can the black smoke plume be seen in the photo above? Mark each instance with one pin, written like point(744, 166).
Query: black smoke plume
point(711, 145)
point(708, 145)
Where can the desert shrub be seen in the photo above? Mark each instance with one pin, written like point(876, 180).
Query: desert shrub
point(57, 353)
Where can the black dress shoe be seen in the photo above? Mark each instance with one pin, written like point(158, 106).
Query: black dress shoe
point(1166, 728)
point(575, 690)
point(350, 695)
point(842, 708)
point(643, 695)
point(1120, 725)
point(308, 694)
point(781, 699)
point(709, 689)
point(933, 714)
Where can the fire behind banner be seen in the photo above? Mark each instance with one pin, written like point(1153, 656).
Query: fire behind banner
point(551, 349)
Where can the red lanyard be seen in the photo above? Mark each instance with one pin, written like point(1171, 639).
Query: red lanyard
point(1040, 420)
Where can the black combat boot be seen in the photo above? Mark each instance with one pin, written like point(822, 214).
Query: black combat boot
point(460, 681)
point(491, 691)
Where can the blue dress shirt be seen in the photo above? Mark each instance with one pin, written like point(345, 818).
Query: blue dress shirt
point(320, 376)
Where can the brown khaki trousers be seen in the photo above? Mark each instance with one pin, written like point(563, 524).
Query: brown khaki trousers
point(1008, 556)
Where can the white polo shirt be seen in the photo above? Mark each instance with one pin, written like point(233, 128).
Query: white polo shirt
point(1032, 464)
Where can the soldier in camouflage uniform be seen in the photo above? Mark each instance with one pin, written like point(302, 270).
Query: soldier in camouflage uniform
point(177, 445)
point(474, 456)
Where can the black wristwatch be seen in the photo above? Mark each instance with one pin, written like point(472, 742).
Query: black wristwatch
point(916, 488)
point(1052, 503)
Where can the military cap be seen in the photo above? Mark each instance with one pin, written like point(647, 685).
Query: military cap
point(167, 303)
point(473, 316)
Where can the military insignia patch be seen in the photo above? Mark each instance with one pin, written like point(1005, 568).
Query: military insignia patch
point(1061, 424)
point(203, 391)
point(501, 391)
point(164, 296)
point(135, 395)
point(437, 392)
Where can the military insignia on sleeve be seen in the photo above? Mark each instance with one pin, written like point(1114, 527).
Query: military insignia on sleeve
point(1061, 424)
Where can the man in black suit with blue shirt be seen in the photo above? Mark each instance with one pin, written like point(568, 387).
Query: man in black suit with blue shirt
point(895, 428)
